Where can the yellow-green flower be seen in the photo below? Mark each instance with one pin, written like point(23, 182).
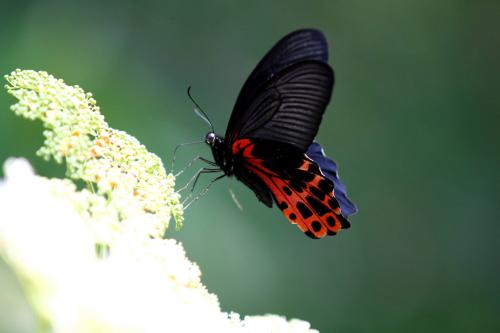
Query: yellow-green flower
point(113, 163)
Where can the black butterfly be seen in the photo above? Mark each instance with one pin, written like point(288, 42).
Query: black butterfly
point(269, 139)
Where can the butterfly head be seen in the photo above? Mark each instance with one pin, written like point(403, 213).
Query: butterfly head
point(214, 140)
point(220, 151)
point(210, 139)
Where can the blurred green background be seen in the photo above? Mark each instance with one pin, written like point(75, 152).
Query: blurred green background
point(413, 125)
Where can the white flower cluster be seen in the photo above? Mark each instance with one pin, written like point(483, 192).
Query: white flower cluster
point(93, 260)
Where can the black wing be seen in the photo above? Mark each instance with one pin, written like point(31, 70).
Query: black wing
point(289, 107)
point(298, 46)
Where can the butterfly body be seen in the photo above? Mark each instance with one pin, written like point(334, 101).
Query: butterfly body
point(221, 152)
point(269, 145)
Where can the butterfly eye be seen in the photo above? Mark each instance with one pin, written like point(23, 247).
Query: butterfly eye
point(210, 138)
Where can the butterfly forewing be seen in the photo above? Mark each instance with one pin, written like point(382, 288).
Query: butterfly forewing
point(290, 106)
point(298, 46)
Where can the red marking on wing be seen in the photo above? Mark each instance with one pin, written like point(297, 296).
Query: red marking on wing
point(241, 145)
point(306, 199)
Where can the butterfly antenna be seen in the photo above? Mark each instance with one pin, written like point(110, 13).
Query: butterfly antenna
point(199, 111)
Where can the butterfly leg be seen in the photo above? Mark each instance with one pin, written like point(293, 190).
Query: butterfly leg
point(190, 164)
point(197, 175)
point(177, 148)
point(195, 178)
point(202, 192)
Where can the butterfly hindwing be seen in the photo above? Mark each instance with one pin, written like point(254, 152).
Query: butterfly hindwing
point(253, 182)
point(299, 188)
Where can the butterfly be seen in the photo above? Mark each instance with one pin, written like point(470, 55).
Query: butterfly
point(269, 146)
